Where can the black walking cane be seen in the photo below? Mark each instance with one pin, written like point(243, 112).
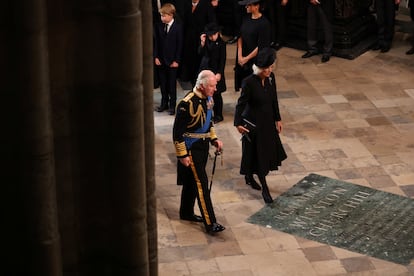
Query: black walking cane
point(214, 169)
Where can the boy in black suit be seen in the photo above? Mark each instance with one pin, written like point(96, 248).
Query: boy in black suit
point(168, 45)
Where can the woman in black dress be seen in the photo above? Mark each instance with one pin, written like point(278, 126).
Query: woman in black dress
point(254, 35)
point(258, 119)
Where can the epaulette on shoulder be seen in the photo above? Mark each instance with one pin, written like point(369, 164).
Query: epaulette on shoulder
point(188, 96)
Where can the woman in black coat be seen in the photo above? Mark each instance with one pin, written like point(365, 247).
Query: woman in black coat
point(213, 57)
point(258, 119)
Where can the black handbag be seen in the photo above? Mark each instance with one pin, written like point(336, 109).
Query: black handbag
point(250, 126)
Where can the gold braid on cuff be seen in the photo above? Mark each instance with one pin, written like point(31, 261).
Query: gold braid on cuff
point(213, 134)
point(180, 149)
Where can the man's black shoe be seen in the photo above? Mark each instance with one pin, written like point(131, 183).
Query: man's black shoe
point(385, 49)
point(325, 58)
point(171, 112)
point(214, 228)
point(376, 47)
point(161, 108)
point(410, 52)
point(194, 218)
point(309, 54)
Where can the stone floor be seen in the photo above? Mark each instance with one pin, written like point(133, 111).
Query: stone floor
point(347, 119)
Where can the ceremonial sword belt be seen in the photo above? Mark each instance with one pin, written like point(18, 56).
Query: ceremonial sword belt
point(197, 135)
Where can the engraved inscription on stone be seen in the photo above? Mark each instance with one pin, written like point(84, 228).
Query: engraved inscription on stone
point(346, 215)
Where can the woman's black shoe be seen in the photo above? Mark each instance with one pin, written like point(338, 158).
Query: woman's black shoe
point(266, 196)
point(251, 182)
point(265, 190)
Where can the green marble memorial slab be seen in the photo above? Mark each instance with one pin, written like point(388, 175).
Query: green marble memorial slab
point(349, 216)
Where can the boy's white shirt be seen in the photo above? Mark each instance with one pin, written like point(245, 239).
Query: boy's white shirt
point(169, 25)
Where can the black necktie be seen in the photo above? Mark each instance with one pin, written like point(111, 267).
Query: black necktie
point(165, 28)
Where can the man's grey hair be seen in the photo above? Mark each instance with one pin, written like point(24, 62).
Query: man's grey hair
point(203, 78)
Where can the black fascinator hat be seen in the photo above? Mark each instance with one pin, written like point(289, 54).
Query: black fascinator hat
point(211, 28)
point(265, 57)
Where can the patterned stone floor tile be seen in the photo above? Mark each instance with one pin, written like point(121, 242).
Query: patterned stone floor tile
point(203, 266)
point(233, 263)
point(357, 264)
point(408, 190)
point(175, 268)
point(254, 246)
point(330, 267)
point(321, 253)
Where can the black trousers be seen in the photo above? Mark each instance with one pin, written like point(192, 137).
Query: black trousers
point(168, 86)
point(385, 10)
point(218, 104)
point(195, 184)
point(277, 15)
point(317, 17)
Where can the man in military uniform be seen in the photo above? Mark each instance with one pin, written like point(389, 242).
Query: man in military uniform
point(192, 133)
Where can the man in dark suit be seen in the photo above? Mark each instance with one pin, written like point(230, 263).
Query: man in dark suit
point(167, 56)
point(385, 10)
point(411, 5)
point(320, 13)
point(276, 13)
point(196, 15)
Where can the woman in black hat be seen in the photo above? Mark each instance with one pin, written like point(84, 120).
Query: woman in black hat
point(213, 51)
point(254, 35)
point(258, 119)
